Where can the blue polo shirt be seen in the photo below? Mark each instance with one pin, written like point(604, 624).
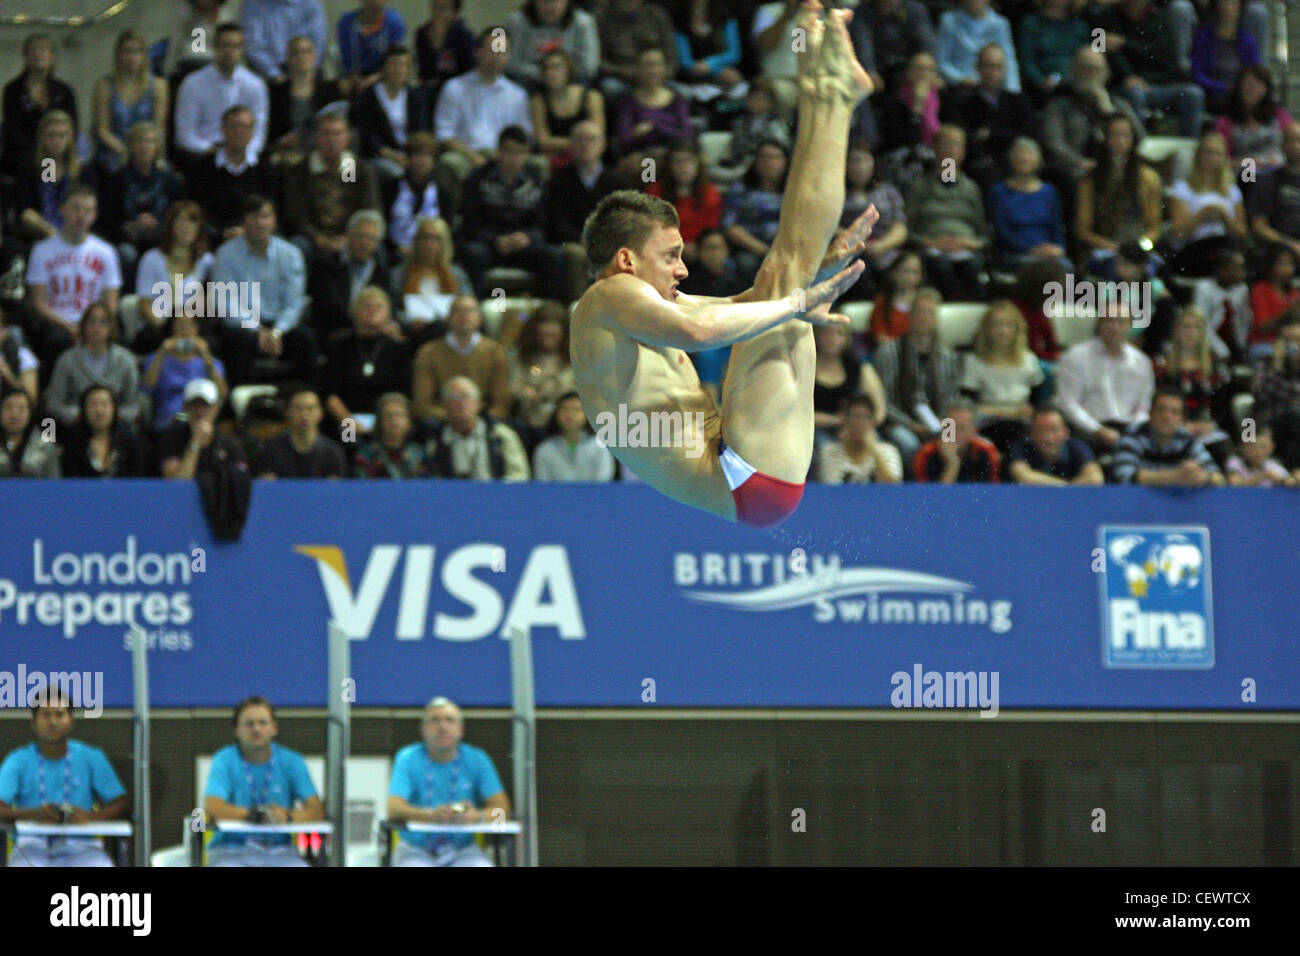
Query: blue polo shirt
point(80, 778)
point(282, 780)
point(423, 782)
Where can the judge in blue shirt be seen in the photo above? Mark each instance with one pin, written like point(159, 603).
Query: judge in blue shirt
point(442, 780)
point(58, 780)
point(257, 780)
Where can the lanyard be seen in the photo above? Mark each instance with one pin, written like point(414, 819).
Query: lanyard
point(266, 782)
point(67, 777)
point(428, 780)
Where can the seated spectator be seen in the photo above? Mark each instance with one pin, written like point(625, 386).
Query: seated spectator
point(992, 115)
point(42, 189)
point(1025, 212)
point(194, 41)
point(475, 108)
point(182, 251)
point(416, 195)
point(1254, 465)
point(543, 27)
point(208, 94)
point(97, 360)
point(1223, 301)
point(255, 780)
point(540, 370)
point(967, 30)
point(1120, 199)
point(85, 776)
point(1142, 48)
point(715, 274)
point(125, 97)
point(891, 314)
point(270, 24)
point(365, 35)
point(322, 191)
point(191, 444)
point(364, 362)
point(1253, 121)
point(911, 110)
point(69, 272)
point(1272, 294)
point(389, 112)
point(1002, 377)
point(1031, 294)
point(917, 375)
point(182, 356)
point(752, 209)
point(559, 105)
point(1160, 451)
point(1049, 38)
point(1276, 386)
point(296, 101)
point(464, 351)
point(1207, 204)
point(469, 444)
point(1275, 200)
point(271, 268)
point(335, 279)
point(391, 451)
point(863, 188)
point(24, 451)
point(650, 115)
point(571, 195)
point(946, 215)
point(28, 97)
point(1076, 116)
point(443, 780)
point(444, 46)
point(19, 368)
point(707, 36)
point(502, 212)
point(1104, 385)
point(573, 452)
point(302, 451)
point(1189, 367)
point(758, 124)
point(686, 185)
point(958, 454)
point(894, 31)
point(840, 375)
point(625, 28)
point(136, 196)
point(1220, 48)
point(100, 445)
point(858, 455)
point(220, 183)
point(428, 281)
point(1049, 456)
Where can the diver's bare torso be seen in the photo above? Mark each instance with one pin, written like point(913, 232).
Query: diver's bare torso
point(613, 369)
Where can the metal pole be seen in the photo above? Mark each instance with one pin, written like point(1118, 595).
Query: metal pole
point(140, 742)
point(525, 737)
point(338, 740)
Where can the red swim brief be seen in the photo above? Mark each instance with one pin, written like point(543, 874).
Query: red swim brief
point(761, 500)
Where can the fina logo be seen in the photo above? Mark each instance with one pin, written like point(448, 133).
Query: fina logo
point(1155, 597)
point(828, 586)
point(545, 572)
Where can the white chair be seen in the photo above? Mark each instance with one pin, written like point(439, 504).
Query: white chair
point(494, 308)
point(715, 147)
point(1173, 153)
point(958, 322)
point(128, 316)
point(859, 314)
point(241, 396)
point(1073, 325)
point(170, 856)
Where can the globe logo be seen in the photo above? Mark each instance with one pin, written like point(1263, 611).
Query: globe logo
point(1174, 561)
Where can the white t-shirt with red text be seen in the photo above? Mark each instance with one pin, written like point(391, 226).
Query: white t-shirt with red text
point(74, 276)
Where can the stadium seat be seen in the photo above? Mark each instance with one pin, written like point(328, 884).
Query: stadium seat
point(859, 314)
point(1171, 155)
point(1243, 403)
point(715, 147)
point(128, 317)
point(958, 322)
point(243, 394)
point(513, 281)
point(1073, 327)
point(494, 308)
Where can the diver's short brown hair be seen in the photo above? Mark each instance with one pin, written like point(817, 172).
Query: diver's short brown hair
point(624, 219)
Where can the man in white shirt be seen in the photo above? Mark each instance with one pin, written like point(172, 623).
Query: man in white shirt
point(206, 94)
point(1104, 384)
point(475, 107)
point(774, 36)
point(69, 272)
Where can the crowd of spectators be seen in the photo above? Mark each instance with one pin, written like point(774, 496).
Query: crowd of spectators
point(333, 209)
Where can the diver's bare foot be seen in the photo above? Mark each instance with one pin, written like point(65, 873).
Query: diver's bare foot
point(839, 62)
point(809, 42)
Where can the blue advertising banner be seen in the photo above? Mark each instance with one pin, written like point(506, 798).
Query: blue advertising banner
point(868, 597)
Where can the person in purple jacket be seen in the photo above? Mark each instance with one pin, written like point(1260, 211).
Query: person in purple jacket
point(651, 115)
point(1221, 47)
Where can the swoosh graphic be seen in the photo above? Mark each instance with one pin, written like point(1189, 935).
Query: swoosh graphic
point(806, 588)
